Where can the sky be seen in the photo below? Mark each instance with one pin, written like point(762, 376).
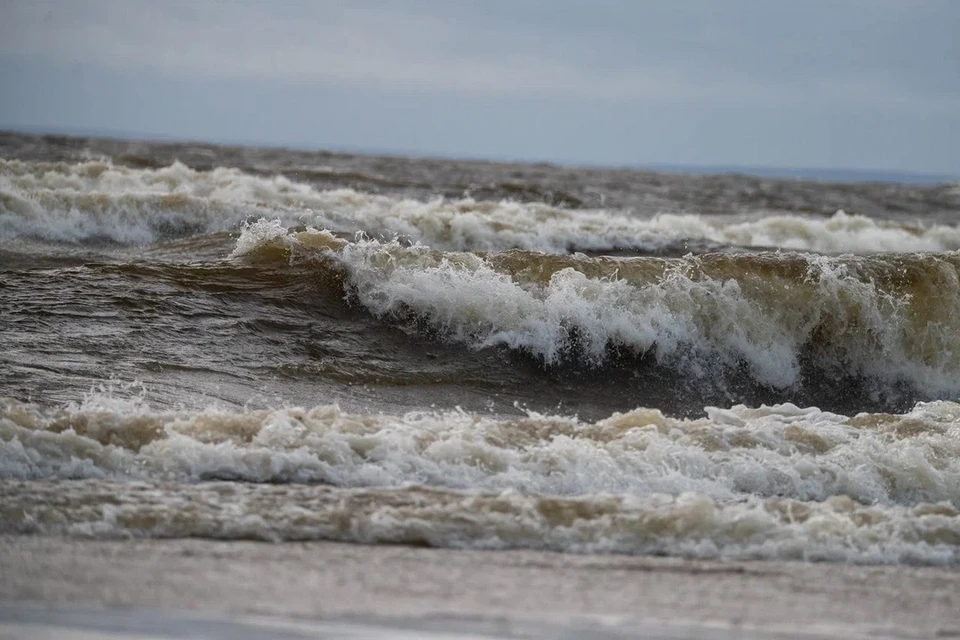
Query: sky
point(847, 84)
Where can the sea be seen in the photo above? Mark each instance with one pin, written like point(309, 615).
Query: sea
point(241, 343)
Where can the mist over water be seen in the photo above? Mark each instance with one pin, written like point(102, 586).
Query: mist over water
point(241, 343)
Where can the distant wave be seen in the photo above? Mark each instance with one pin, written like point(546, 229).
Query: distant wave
point(97, 201)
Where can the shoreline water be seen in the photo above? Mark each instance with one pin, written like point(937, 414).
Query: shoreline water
point(392, 588)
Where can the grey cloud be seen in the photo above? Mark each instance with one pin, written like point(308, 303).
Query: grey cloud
point(845, 83)
point(743, 51)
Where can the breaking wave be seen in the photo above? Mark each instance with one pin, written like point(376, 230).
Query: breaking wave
point(97, 201)
point(777, 317)
point(772, 482)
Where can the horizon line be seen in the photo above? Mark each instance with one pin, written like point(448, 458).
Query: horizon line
point(826, 174)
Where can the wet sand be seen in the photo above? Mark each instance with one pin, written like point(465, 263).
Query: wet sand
point(55, 587)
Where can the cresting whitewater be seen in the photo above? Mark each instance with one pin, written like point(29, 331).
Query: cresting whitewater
point(206, 341)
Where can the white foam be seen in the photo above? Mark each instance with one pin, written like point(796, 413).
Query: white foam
point(730, 455)
point(772, 482)
point(97, 200)
point(92, 200)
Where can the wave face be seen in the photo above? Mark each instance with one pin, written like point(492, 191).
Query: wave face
point(775, 482)
point(893, 319)
point(482, 355)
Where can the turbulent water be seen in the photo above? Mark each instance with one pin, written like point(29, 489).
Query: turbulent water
point(252, 343)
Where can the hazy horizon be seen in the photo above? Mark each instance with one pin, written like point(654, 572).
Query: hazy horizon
point(827, 174)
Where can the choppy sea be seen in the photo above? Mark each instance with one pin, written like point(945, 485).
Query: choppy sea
point(240, 343)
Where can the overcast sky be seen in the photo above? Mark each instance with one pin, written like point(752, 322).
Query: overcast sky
point(869, 84)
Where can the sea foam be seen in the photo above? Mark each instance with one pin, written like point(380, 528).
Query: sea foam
point(776, 482)
point(730, 454)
